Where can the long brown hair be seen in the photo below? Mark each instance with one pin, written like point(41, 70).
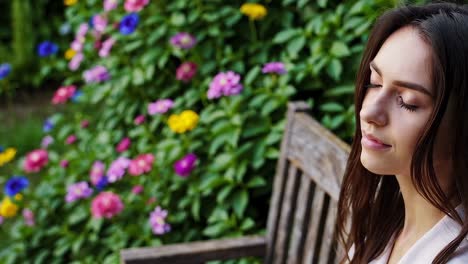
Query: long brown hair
point(370, 208)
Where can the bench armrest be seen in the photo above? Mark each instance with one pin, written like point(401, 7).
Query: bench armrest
point(197, 252)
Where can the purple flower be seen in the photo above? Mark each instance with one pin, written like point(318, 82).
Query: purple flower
point(46, 141)
point(183, 40)
point(224, 84)
point(106, 47)
point(70, 139)
point(64, 163)
point(123, 145)
point(137, 189)
point(15, 185)
point(158, 221)
point(184, 166)
point(97, 74)
point(79, 190)
point(97, 172)
point(47, 48)
point(5, 69)
point(48, 125)
point(117, 169)
point(186, 71)
point(129, 23)
point(103, 182)
point(99, 23)
point(139, 120)
point(160, 106)
point(274, 67)
point(82, 30)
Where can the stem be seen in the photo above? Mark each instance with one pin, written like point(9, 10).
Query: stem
point(253, 30)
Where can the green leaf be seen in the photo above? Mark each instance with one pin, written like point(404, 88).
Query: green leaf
point(216, 229)
point(332, 107)
point(196, 208)
point(222, 161)
point(138, 77)
point(247, 224)
point(240, 200)
point(224, 193)
point(296, 45)
point(334, 69)
point(285, 35)
point(251, 75)
point(178, 19)
point(256, 181)
point(339, 49)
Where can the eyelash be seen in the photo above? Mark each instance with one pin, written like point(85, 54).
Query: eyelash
point(401, 103)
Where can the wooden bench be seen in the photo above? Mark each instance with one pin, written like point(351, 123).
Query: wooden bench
point(301, 220)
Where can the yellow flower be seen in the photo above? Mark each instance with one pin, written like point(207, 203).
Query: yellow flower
point(7, 156)
point(7, 208)
point(190, 119)
point(18, 197)
point(70, 2)
point(253, 11)
point(70, 53)
point(184, 122)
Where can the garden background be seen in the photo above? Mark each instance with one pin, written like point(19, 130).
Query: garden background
point(130, 123)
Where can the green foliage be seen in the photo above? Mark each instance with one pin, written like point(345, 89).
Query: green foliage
point(237, 138)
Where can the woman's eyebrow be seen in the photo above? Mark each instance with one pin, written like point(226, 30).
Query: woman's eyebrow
point(409, 85)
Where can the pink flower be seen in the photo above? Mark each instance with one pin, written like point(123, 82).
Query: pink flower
point(225, 84)
point(99, 23)
point(110, 4)
point(36, 160)
point(139, 120)
point(96, 74)
point(185, 165)
point(46, 141)
point(186, 71)
point(70, 139)
point(158, 221)
point(123, 145)
point(28, 216)
point(141, 164)
point(137, 189)
point(183, 40)
point(82, 30)
point(84, 124)
point(107, 205)
point(79, 190)
point(274, 67)
point(117, 169)
point(97, 172)
point(64, 163)
point(106, 47)
point(135, 5)
point(160, 106)
point(151, 201)
point(63, 93)
point(75, 62)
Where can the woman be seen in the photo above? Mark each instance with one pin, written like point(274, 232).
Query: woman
point(405, 189)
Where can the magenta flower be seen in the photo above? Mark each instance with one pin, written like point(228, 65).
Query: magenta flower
point(107, 205)
point(117, 169)
point(110, 4)
point(64, 163)
point(224, 84)
point(96, 75)
point(139, 120)
point(123, 145)
point(274, 67)
point(70, 139)
point(97, 172)
point(106, 47)
point(141, 164)
point(63, 93)
point(46, 141)
point(79, 190)
point(184, 166)
point(158, 221)
point(137, 189)
point(186, 71)
point(183, 40)
point(135, 5)
point(28, 216)
point(160, 106)
point(36, 160)
point(84, 124)
point(75, 62)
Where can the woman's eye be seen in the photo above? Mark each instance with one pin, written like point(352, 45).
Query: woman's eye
point(405, 106)
point(372, 85)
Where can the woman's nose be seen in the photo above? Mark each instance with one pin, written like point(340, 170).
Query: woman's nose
point(374, 109)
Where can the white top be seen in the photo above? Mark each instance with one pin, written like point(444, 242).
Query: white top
point(430, 244)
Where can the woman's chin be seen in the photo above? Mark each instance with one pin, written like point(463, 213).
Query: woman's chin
point(377, 166)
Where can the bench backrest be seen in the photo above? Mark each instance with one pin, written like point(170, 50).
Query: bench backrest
point(301, 220)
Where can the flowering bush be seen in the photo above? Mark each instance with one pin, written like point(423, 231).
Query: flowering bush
point(173, 130)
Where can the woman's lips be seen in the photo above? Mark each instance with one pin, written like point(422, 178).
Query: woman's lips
point(372, 142)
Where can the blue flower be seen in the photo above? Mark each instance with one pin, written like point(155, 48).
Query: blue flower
point(1, 149)
point(48, 125)
point(129, 23)
point(15, 185)
point(47, 48)
point(103, 182)
point(5, 69)
point(76, 96)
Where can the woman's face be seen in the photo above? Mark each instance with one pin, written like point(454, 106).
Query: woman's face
point(397, 104)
